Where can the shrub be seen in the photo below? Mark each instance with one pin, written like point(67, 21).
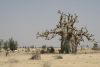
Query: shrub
point(12, 44)
point(35, 56)
point(1, 43)
point(28, 48)
point(44, 46)
point(95, 47)
point(13, 61)
point(46, 64)
point(43, 51)
point(23, 47)
point(51, 50)
point(32, 46)
point(58, 57)
point(5, 45)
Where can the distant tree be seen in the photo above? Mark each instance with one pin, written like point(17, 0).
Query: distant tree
point(1, 43)
point(95, 47)
point(23, 47)
point(87, 46)
point(12, 44)
point(28, 48)
point(44, 46)
point(32, 46)
point(6, 45)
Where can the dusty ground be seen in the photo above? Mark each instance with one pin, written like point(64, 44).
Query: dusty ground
point(69, 60)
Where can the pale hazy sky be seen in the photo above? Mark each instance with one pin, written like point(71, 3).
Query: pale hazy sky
point(22, 19)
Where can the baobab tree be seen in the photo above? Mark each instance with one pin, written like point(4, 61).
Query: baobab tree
point(68, 33)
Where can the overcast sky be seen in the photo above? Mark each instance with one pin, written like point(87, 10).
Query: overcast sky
point(22, 19)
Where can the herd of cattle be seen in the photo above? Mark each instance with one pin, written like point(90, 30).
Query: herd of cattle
point(18, 51)
point(34, 50)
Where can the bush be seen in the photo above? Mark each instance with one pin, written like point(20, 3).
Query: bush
point(43, 51)
point(12, 44)
point(28, 49)
point(1, 43)
point(95, 47)
point(35, 56)
point(44, 46)
point(23, 47)
point(51, 50)
point(32, 46)
point(59, 57)
point(6, 45)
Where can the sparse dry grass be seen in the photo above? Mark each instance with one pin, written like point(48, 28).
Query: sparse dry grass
point(13, 61)
point(90, 59)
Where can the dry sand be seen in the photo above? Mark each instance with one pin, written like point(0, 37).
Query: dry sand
point(69, 60)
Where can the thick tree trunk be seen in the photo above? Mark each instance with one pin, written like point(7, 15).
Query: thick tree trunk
point(62, 45)
point(70, 50)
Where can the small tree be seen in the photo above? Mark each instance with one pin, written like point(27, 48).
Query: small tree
point(44, 46)
point(95, 47)
point(1, 43)
point(6, 45)
point(28, 48)
point(32, 46)
point(12, 44)
point(23, 47)
point(51, 50)
point(87, 46)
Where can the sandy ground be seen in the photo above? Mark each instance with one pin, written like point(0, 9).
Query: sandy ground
point(69, 60)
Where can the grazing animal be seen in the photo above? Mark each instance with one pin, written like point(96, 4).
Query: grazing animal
point(34, 50)
point(16, 51)
point(7, 52)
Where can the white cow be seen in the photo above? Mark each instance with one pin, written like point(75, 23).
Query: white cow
point(16, 51)
point(35, 50)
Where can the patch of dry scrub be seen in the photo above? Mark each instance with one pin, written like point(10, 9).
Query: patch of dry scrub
point(13, 61)
point(35, 56)
point(46, 64)
point(58, 57)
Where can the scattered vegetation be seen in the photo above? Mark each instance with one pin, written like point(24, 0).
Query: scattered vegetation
point(46, 64)
point(95, 47)
point(87, 46)
point(12, 44)
point(13, 61)
point(35, 56)
point(28, 48)
point(44, 46)
point(6, 45)
point(58, 57)
point(23, 47)
point(1, 43)
point(43, 51)
point(51, 49)
point(32, 46)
